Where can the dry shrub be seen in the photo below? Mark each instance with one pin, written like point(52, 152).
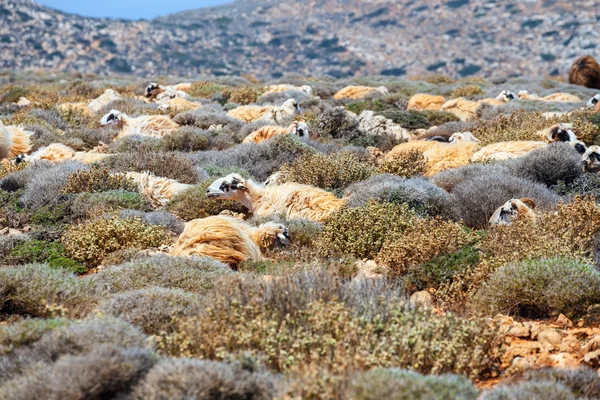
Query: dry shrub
point(407, 165)
point(205, 89)
point(530, 390)
point(9, 168)
point(362, 231)
point(468, 91)
point(91, 241)
point(165, 164)
point(435, 78)
point(185, 139)
point(242, 95)
point(96, 180)
point(422, 241)
point(335, 171)
point(193, 204)
point(313, 321)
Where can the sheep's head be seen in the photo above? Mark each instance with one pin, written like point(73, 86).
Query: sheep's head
point(512, 210)
point(459, 137)
point(579, 146)
point(292, 106)
point(591, 159)
point(273, 234)
point(594, 101)
point(506, 95)
point(300, 129)
point(114, 117)
point(561, 133)
point(307, 89)
point(523, 94)
point(152, 90)
point(21, 158)
point(230, 187)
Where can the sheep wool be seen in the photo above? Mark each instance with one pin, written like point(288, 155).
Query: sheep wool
point(462, 108)
point(426, 102)
point(585, 72)
point(507, 150)
point(20, 140)
point(249, 113)
point(358, 92)
point(104, 99)
point(158, 190)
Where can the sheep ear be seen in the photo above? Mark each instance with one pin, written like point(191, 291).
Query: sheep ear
point(530, 203)
point(554, 132)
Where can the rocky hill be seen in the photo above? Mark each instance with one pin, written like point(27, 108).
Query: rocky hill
point(310, 37)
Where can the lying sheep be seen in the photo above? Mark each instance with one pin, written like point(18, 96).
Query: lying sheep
point(158, 190)
point(421, 102)
point(591, 159)
point(359, 92)
point(507, 150)
point(285, 87)
point(103, 100)
point(585, 72)
point(299, 129)
point(462, 108)
point(253, 113)
point(558, 133)
point(229, 240)
point(156, 126)
point(294, 200)
point(154, 91)
point(594, 102)
point(178, 105)
point(557, 97)
point(514, 210)
point(58, 152)
point(14, 141)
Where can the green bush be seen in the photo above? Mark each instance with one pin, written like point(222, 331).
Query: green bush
point(540, 288)
point(97, 179)
point(39, 251)
point(89, 204)
point(185, 139)
point(193, 204)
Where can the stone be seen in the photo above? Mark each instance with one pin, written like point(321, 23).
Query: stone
point(549, 338)
point(519, 331)
point(564, 322)
point(422, 299)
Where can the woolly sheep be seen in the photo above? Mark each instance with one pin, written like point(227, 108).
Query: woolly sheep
point(591, 159)
point(462, 108)
point(514, 210)
point(421, 101)
point(156, 126)
point(594, 101)
point(58, 152)
point(558, 97)
point(294, 200)
point(506, 150)
point(229, 240)
point(103, 100)
point(14, 141)
point(585, 72)
point(558, 133)
point(299, 129)
point(285, 87)
point(358, 92)
point(154, 90)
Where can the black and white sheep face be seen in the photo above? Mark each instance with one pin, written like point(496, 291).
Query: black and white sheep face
point(459, 137)
point(594, 101)
point(505, 214)
point(301, 130)
point(227, 188)
point(21, 158)
point(281, 233)
point(591, 160)
point(152, 89)
point(114, 117)
point(563, 133)
point(291, 105)
point(579, 146)
point(506, 95)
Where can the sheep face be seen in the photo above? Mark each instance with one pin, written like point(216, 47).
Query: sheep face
point(459, 137)
point(523, 94)
point(152, 90)
point(579, 146)
point(512, 210)
point(506, 95)
point(562, 133)
point(594, 101)
point(231, 187)
point(21, 158)
point(591, 159)
point(301, 130)
point(292, 106)
point(114, 117)
point(274, 234)
point(307, 89)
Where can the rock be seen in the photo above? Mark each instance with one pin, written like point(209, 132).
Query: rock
point(522, 348)
point(368, 269)
point(422, 299)
point(519, 331)
point(592, 358)
point(549, 338)
point(377, 125)
point(560, 360)
point(520, 364)
point(564, 322)
point(592, 345)
point(23, 102)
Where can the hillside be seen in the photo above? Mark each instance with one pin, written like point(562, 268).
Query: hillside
point(337, 37)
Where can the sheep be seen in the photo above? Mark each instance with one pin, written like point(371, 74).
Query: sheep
point(462, 137)
point(594, 102)
point(359, 92)
point(585, 72)
point(558, 133)
point(299, 129)
point(178, 105)
point(506, 96)
point(462, 108)
point(155, 126)
point(591, 159)
point(507, 150)
point(294, 200)
point(514, 210)
point(279, 114)
point(103, 100)
point(14, 141)
point(558, 97)
point(265, 113)
point(425, 102)
point(229, 240)
point(158, 190)
point(58, 152)
point(78, 108)
point(154, 90)
point(285, 87)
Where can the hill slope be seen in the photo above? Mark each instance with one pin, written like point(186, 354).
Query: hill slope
point(310, 37)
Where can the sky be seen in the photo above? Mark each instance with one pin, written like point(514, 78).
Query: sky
point(128, 9)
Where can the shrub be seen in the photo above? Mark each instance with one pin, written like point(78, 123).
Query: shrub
point(35, 289)
point(408, 119)
point(205, 119)
point(135, 143)
point(94, 204)
point(334, 172)
point(91, 241)
point(102, 373)
point(48, 184)
point(448, 179)
point(584, 185)
point(151, 309)
point(166, 164)
point(39, 251)
point(475, 200)
point(362, 231)
point(185, 139)
point(437, 118)
point(200, 379)
point(16, 180)
point(540, 288)
point(337, 123)
point(50, 118)
point(97, 179)
point(468, 91)
point(423, 240)
point(158, 218)
point(530, 390)
point(192, 274)
point(25, 332)
point(397, 384)
point(205, 89)
point(13, 94)
point(193, 204)
point(418, 193)
point(242, 95)
point(584, 382)
point(330, 323)
point(406, 165)
point(132, 107)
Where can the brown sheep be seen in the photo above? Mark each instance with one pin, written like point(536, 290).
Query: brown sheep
point(294, 200)
point(58, 152)
point(591, 159)
point(157, 189)
point(462, 108)
point(156, 126)
point(358, 92)
point(177, 105)
point(285, 87)
point(507, 150)
point(229, 240)
point(514, 210)
point(558, 133)
point(14, 141)
point(253, 113)
point(425, 102)
point(268, 132)
point(585, 72)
